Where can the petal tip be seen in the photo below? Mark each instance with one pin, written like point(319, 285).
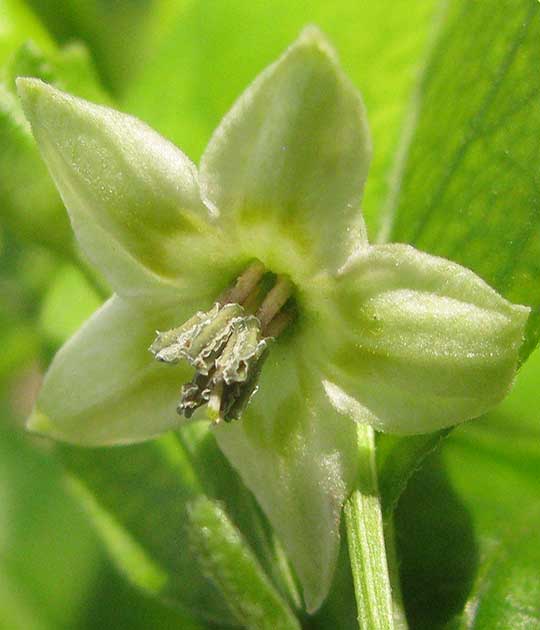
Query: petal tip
point(25, 84)
point(28, 89)
point(31, 91)
point(312, 37)
point(39, 423)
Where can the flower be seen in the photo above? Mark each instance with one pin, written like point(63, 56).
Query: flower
point(382, 334)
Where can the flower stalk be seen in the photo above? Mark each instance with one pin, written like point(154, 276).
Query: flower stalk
point(365, 537)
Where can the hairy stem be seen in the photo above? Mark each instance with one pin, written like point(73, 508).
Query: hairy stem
point(365, 535)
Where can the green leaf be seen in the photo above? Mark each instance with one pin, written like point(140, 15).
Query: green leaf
point(119, 34)
point(398, 459)
point(231, 566)
point(31, 203)
point(436, 548)
point(20, 343)
point(469, 189)
point(137, 497)
point(294, 152)
point(467, 533)
point(70, 68)
point(19, 25)
point(48, 560)
point(68, 303)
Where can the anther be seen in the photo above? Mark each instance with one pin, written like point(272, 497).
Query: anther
point(227, 345)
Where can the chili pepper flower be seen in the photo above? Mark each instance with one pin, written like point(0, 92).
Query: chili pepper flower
point(321, 329)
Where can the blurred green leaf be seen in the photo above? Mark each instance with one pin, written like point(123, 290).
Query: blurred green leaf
point(137, 497)
point(19, 343)
point(231, 566)
point(52, 571)
point(68, 303)
point(25, 273)
point(202, 65)
point(18, 25)
point(436, 547)
point(505, 504)
point(398, 459)
point(115, 604)
point(37, 522)
point(32, 205)
point(119, 33)
point(469, 190)
point(70, 68)
point(468, 536)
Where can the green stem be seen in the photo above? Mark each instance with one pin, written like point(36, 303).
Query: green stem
point(365, 535)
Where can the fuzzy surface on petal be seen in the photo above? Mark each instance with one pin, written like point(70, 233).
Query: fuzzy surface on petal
point(293, 153)
point(104, 387)
point(423, 343)
point(132, 196)
point(298, 456)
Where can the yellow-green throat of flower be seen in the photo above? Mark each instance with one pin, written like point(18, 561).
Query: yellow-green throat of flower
point(228, 344)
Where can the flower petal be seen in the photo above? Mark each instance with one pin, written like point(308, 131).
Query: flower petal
point(294, 151)
point(299, 458)
point(132, 196)
point(425, 343)
point(104, 387)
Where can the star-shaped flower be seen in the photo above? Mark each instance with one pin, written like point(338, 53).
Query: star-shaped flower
point(378, 334)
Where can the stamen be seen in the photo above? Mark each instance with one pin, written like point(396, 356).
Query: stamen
point(273, 302)
point(244, 285)
point(253, 300)
point(228, 345)
point(278, 324)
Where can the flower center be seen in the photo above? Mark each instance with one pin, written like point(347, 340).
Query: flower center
point(228, 344)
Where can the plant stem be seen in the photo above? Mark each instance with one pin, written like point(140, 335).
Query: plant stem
point(365, 536)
